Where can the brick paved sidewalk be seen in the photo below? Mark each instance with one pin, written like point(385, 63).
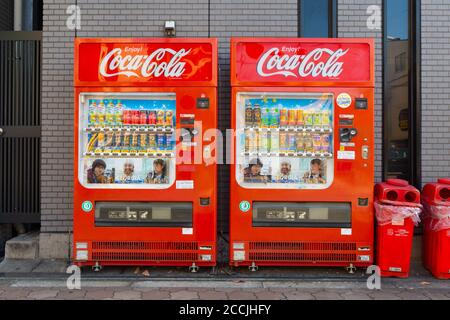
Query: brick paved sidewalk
point(398, 289)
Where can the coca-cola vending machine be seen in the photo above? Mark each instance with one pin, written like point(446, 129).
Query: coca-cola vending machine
point(302, 179)
point(145, 173)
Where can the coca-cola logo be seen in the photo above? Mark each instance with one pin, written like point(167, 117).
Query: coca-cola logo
point(155, 64)
point(321, 62)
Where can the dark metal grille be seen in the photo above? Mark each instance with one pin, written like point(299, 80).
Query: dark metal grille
point(20, 126)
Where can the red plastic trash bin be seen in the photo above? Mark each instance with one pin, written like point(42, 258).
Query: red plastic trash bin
point(397, 210)
point(436, 228)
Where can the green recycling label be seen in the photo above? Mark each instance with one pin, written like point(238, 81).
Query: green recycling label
point(244, 206)
point(86, 206)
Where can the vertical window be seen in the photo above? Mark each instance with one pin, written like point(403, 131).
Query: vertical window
point(400, 108)
point(317, 18)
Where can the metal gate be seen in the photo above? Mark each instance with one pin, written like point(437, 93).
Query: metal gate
point(20, 126)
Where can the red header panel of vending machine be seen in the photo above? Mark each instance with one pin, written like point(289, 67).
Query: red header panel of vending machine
point(302, 178)
point(144, 178)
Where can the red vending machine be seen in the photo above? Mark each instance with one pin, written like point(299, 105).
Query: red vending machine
point(303, 173)
point(144, 171)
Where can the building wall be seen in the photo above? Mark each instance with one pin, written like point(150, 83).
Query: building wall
point(435, 90)
point(6, 15)
point(226, 18)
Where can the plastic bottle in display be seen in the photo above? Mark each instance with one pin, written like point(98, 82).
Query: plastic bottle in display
point(135, 117)
point(127, 117)
point(274, 118)
point(265, 117)
point(118, 113)
point(110, 110)
point(152, 117)
point(101, 113)
point(308, 117)
point(300, 119)
point(142, 117)
point(325, 118)
point(283, 117)
point(170, 142)
point(308, 143)
point(93, 113)
point(317, 118)
point(160, 117)
point(256, 116)
point(169, 118)
point(248, 115)
point(292, 117)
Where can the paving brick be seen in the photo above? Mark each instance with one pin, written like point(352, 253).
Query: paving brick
point(71, 294)
point(383, 295)
point(269, 295)
point(183, 295)
point(42, 294)
point(241, 295)
point(212, 295)
point(299, 295)
point(15, 293)
point(127, 295)
point(97, 294)
point(327, 295)
point(155, 295)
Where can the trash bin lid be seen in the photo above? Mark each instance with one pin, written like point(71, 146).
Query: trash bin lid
point(397, 182)
point(444, 180)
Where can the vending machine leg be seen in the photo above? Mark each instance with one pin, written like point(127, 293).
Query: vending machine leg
point(253, 267)
point(351, 268)
point(97, 267)
point(193, 268)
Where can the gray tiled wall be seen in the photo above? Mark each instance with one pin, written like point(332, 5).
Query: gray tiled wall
point(6, 15)
point(435, 89)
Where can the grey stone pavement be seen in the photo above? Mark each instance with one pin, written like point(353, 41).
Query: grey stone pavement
point(38, 280)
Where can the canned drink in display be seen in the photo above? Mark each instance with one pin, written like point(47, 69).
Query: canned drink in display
point(308, 117)
point(160, 118)
point(283, 144)
point(101, 140)
point(117, 140)
point(292, 145)
point(274, 142)
point(256, 116)
point(143, 141)
point(317, 143)
point(283, 117)
point(248, 115)
point(308, 143)
point(300, 120)
point(252, 141)
point(246, 141)
point(143, 117)
point(151, 117)
point(161, 141)
point(134, 141)
point(292, 117)
point(274, 118)
point(169, 118)
point(265, 117)
point(152, 142)
point(300, 142)
point(169, 142)
point(325, 143)
point(109, 140)
point(263, 142)
point(126, 141)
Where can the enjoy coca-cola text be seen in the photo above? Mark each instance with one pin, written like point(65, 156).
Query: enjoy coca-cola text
point(312, 64)
point(152, 65)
